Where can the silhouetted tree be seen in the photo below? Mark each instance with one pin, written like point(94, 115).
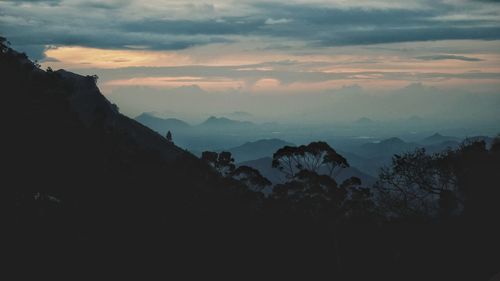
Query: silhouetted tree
point(169, 137)
point(315, 193)
point(250, 177)
point(93, 78)
point(417, 184)
point(4, 44)
point(221, 162)
point(312, 157)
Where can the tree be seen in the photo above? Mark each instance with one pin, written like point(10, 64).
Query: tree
point(221, 162)
point(418, 184)
point(93, 78)
point(251, 177)
point(310, 171)
point(312, 157)
point(4, 44)
point(169, 137)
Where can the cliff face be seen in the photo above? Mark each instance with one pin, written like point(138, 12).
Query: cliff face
point(75, 167)
point(91, 106)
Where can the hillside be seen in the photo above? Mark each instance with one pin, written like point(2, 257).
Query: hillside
point(85, 179)
point(257, 149)
point(161, 125)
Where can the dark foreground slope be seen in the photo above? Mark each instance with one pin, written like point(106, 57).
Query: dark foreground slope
point(84, 183)
point(86, 188)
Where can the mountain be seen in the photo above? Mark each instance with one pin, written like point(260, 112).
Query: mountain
point(264, 165)
point(223, 123)
point(257, 149)
point(442, 146)
point(93, 108)
point(161, 125)
point(385, 148)
point(438, 138)
point(88, 183)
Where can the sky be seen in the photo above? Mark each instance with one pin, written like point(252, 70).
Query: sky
point(278, 60)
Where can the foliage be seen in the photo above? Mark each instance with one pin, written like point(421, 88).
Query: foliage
point(251, 177)
point(440, 184)
point(311, 157)
point(416, 183)
point(222, 162)
point(311, 191)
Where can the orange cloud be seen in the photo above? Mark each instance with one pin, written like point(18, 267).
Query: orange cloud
point(83, 57)
point(219, 84)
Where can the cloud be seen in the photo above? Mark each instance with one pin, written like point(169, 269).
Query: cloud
point(448, 57)
point(234, 26)
point(277, 21)
point(175, 25)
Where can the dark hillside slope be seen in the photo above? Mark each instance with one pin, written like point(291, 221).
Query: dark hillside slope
point(86, 181)
point(89, 186)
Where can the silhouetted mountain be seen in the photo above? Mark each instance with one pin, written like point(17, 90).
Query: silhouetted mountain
point(162, 125)
point(257, 149)
point(84, 178)
point(214, 124)
point(438, 138)
point(386, 148)
point(369, 166)
point(213, 121)
point(92, 107)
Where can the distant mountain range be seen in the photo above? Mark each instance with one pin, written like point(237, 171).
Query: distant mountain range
point(385, 147)
point(257, 149)
point(438, 138)
point(222, 133)
point(370, 157)
point(161, 125)
point(223, 123)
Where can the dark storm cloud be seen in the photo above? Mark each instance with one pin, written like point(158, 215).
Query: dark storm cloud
point(355, 26)
point(320, 26)
point(107, 25)
point(233, 26)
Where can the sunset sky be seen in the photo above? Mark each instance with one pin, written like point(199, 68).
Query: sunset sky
point(263, 48)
